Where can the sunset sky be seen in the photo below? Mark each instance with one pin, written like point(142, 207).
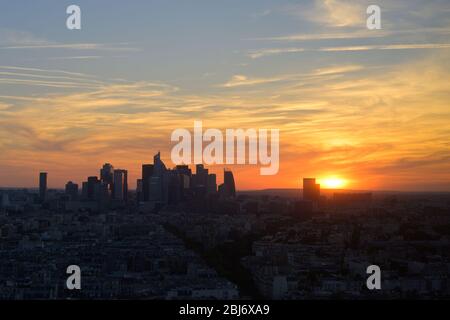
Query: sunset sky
point(368, 106)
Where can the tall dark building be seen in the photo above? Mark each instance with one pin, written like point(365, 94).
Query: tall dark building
point(184, 169)
point(43, 186)
point(159, 182)
point(311, 190)
point(201, 176)
point(147, 173)
point(93, 185)
point(107, 179)
point(84, 190)
point(228, 188)
point(72, 190)
point(106, 173)
point(121, 185)
point(212, 184)
point(139, 196)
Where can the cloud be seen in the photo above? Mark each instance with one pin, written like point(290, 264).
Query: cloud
point(76, 58)
point(388, 47)
point(335, 13)
point(356, 34)
point(325, 36)
point(256, 54)
point(46, 71)
point(260, 14)
point(241, 80)
point(270, 52)
point(17, 37)
point(77, 46)
point(24, 76)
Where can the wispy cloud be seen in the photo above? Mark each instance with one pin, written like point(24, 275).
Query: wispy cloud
point(243, 80)
point(77, 46)
point(325, 36)
point(255, 54)
point(76, 58)
point(61, 79)
point(336, 13)
point(355, 34)
point(388, 47)
point(275, 51)
point(79, 74)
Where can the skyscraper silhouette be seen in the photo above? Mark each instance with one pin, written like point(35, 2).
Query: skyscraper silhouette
point(228, 188)
point(147, 173)
point(93, 188)
point(311, 190)
point(120, 184)
point(43, 186)
point(106, 173)
point(72, 190)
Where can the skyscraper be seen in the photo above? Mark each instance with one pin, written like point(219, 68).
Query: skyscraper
point(159, 182)
point(311, 190)
point(93, 185)
point(147, 173)
point(107, 178)
point(43, 186)
point(212, 184)
point(72, 190)
point(159, 166)
point(120, 184)
point(228, 188)
point(106, 173)
point(201, 176)
point(139, 195)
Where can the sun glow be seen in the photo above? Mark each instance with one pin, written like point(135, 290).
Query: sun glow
point(333, 182)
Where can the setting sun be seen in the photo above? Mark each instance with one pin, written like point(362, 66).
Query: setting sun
point(333, 182)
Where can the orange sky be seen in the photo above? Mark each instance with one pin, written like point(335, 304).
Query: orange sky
point(371, 107)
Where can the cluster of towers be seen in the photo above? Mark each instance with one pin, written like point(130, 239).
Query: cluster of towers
point(158, 185)
point(112, 185)
point(171, 186)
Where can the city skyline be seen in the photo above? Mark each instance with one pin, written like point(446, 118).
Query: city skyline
point(364, 107)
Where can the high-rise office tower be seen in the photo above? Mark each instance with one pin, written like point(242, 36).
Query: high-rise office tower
point(184, 169)
point(72, 190)
point(93, 188)
point(139, 195)
point(120, 185)
point(201, 176)
point(106, 173)
point(147, 173)
point(43, 186)
point(159, 182)
point(84, 190)
point(159, 166)
point(185, 177)
point(212, 183)
point(228, 188)
point(156, 191)
point(107, 179)
point(311, 190)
